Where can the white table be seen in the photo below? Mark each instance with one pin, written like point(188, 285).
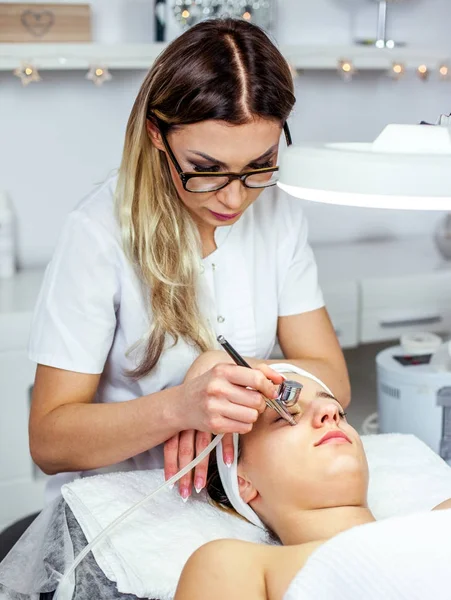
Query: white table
point(374, 292)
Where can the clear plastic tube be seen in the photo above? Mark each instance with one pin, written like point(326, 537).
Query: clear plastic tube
point(65, 588)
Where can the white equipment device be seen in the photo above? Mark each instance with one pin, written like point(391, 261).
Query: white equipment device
point(414, 396)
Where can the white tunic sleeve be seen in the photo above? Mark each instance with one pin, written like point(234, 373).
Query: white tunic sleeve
point(75, 316)
point(300, 291)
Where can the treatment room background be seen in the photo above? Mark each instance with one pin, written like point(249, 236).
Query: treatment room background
point(60, 136)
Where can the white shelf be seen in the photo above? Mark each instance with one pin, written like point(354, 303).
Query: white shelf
point(364, 58)
point(141, 56)
point(74, 57)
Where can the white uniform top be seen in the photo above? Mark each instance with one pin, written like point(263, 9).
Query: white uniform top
point(92, 308)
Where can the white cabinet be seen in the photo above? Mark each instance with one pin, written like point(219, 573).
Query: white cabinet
point(21, 483)
point(402, 286)
point(342, 302)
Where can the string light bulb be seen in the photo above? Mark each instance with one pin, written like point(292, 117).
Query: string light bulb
point(444, 72)
point(423, 72)
point(27, 73)
point(247, 15)
point(98, 74)
point(346, 69)
point(397, 70)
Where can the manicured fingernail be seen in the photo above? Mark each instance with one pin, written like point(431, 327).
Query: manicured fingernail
point(184, 492)
point(198, 484)
point(228, 461)
point(275, 393)
point(171, 486)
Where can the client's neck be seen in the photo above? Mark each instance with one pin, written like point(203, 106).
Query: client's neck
point(320, 524)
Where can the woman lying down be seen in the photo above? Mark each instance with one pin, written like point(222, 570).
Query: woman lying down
point(307, 484)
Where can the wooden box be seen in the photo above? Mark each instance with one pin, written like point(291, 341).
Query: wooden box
point(31, 23)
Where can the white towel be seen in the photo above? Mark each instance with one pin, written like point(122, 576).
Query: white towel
point(146, 553)
point(404, 558)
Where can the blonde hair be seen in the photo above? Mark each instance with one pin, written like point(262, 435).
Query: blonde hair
point(216, 70)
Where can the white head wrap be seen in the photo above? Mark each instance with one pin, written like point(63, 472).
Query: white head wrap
point(229, 475)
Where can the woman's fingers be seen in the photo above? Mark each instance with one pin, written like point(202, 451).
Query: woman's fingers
point(171, 452)
point(252, 378)
point(186, 455)
point(238, 412)
point(236, 394)
point(200, 472)
point(269, 373)
point(227, 449)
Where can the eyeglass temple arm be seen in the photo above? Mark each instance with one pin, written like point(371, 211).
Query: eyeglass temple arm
point(287, 132)
point(160, 125)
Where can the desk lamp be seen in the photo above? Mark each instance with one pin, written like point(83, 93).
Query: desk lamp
point(406, 167)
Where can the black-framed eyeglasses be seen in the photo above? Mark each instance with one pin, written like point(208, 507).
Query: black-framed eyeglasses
point(204, 182)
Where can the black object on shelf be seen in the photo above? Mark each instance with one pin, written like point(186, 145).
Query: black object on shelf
point(160, 20)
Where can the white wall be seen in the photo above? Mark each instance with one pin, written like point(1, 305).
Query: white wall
point(60, 137)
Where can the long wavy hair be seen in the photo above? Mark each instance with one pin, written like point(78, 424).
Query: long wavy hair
point(222, 69)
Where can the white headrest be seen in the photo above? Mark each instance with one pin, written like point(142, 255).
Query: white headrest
point(229, 475)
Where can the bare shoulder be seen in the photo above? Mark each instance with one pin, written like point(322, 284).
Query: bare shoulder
point(443, 505)
point(223, 569)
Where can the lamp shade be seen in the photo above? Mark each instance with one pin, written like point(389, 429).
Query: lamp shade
point(406, 167)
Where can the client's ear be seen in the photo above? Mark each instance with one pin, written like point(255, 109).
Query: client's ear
point(247, 490)
point(154, 134)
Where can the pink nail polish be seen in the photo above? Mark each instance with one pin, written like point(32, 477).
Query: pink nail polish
point(198, 484)
point(184, 492)
point(228, 462)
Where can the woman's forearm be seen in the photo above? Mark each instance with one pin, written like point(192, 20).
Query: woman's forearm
point(78, 437)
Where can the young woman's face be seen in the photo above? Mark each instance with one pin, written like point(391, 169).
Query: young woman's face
point(216, 146)
point(295, 467)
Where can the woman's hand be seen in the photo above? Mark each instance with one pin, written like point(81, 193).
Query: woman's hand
point(216, 400)
point(206, 361)
point(179, 451)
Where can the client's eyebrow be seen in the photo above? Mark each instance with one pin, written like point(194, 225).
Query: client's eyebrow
point(224, 166)
point(328, 397)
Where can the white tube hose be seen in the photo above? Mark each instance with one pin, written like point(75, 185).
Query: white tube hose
point(66, 586)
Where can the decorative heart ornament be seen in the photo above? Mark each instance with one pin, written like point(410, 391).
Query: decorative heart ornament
point(37, 22)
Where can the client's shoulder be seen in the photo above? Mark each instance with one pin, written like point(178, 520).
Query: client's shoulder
point(443, 505)
point(223, 569)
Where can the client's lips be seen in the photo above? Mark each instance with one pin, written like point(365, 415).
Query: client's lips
point(334, 435)
point(222, 217)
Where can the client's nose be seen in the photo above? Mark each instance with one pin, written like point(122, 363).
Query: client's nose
point(325, 412)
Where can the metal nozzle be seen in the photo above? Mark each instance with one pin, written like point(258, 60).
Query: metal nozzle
point(289, 392)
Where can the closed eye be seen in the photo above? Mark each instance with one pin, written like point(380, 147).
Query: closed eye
point(204, 169)
point(294, 412)
point(265, 165)
point(217, 169)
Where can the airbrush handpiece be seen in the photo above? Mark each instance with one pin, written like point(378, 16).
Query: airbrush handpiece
point(288, 390)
